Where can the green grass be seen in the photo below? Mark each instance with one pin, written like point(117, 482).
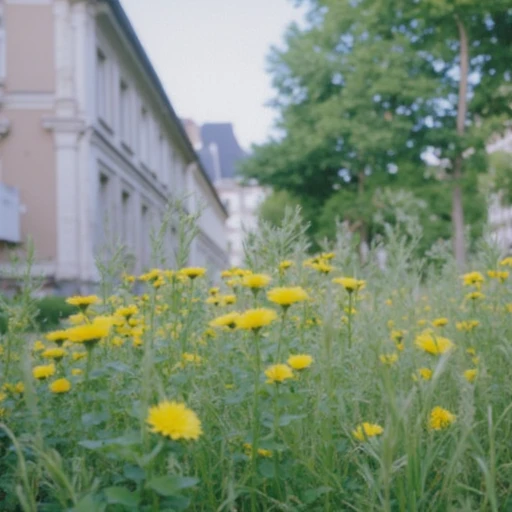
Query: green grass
point(90, 449)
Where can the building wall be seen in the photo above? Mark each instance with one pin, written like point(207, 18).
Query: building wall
point(92, 146)
point(140, 149)
point(27, 158)
point(242, 203)
point(26, 149)
point(29, 47)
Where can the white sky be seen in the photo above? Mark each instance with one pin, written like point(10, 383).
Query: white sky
point(211, 56)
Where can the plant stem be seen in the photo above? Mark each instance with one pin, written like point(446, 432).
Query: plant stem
point(255, 419)
point(350, 320)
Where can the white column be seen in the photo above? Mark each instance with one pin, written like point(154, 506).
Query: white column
point(68, 226)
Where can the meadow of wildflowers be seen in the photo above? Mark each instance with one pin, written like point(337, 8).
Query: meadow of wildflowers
point(296, 383)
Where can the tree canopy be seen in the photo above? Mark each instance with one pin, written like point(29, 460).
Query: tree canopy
point(375, 94)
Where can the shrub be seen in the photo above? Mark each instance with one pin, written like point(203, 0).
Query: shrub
point(51, 310)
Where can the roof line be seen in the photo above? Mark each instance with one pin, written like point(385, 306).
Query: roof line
point(127, 27)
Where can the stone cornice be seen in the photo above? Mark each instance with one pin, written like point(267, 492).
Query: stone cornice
point(64, 124)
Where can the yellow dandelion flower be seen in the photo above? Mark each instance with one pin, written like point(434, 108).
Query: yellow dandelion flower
point(470, 375)
point(255, 319)
point(467, 325)
point(191, 358)
point(440, 322)
point(322, 267)
point(501, 276)
point(473, 279)
point(506, 262)
point(256, 281)
point(440, 418)
point(262, 452)
point(214, 300)
point(278, 373)
point(38, 346)
point(229, 320)
point(76, 356)
point(210, 333)
point(127, 311)
point(17, 388)
point(54, 353)
point(83, 302)
point(423, 373)
point(434, 345)
point(286, 296)
point(285, 265)
point(475, 296)
point(398, 334)
point(118, 341)
point(366, 430)
point(388, 302)
point(421, 323)
point(151, 276)
point(174, 420)
point(215, 290)
point(128, 279)
point(90, 334)
point(76, 372)
point(60, 386)
point(43, 371)
point(388, 359)
point(192, 272)
point(390, 324)
point(350, 284)
point(227, 300)
point(58, 337)
point(300, 361)
point(327, 256)
point(77, 319)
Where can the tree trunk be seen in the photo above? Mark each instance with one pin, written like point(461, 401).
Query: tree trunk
point(363, 234)
point(457, 208)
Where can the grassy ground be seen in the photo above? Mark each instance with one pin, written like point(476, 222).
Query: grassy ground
point(378, 356)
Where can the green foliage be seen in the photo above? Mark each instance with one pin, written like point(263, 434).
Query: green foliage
point(91, 448)
point(365, 89)
point(51, 311)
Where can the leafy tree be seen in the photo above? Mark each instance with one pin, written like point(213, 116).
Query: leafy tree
point(371, 86)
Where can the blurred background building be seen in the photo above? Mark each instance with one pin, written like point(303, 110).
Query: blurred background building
point(91, 149)
point(220, 154)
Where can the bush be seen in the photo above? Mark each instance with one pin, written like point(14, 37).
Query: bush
point(3, 321)
point(51, 310)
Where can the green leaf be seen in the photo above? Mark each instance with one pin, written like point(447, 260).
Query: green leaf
point(118, 367)
point(122, 496)
point(176, 504)
point(169, 485)
point(134, 473)
point(267, 469)
point(93, 419)
point(286, 419)
point(312, 495)
point(88, 504)
point(92, 444)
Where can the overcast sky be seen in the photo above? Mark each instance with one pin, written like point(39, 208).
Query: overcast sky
point(211, 56)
